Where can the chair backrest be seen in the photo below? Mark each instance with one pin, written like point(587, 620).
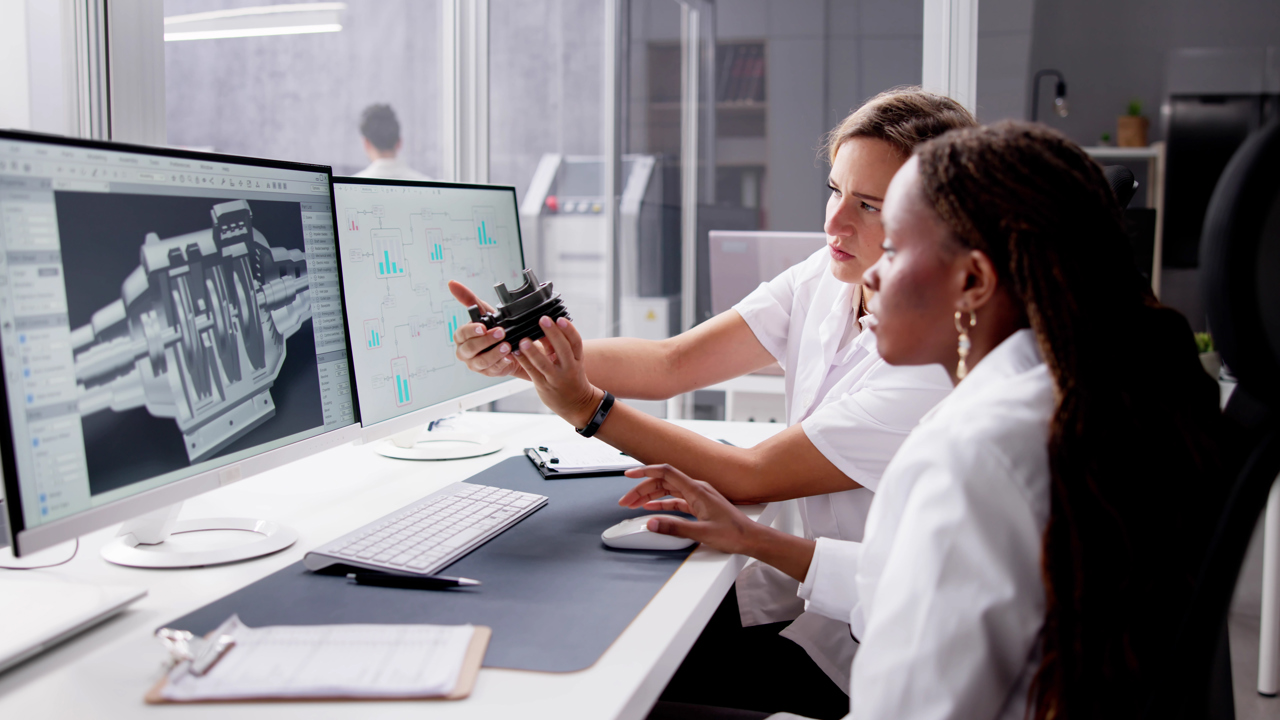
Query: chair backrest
point(1123, 186)
point(1240, 274)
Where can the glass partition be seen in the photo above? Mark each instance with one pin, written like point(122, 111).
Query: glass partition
point(293, 80)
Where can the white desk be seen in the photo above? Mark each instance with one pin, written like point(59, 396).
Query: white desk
point(103, 673)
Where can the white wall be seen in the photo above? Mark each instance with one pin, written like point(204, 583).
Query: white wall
point(52, 74)
point(35, 87)
point(15, 103)
point(1004, 58)
point(1111, 51)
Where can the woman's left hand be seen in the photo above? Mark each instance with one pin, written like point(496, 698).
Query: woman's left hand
point(558, 372)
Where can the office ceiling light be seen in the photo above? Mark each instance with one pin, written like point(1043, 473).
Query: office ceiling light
point(294, 19)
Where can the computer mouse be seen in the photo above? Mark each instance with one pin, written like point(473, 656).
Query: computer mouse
point(633, 534)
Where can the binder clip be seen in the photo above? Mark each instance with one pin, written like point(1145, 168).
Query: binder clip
point(519, 310)
point(201, 653)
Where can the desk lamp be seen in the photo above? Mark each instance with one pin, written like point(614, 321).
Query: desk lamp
point(1059, 94)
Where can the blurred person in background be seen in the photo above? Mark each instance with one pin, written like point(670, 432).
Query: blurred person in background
point(381, 131)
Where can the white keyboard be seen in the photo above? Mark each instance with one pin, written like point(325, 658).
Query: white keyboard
point(430, 534)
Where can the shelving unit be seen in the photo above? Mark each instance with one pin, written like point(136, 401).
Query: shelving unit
point(1154, 155)
point(741, 115)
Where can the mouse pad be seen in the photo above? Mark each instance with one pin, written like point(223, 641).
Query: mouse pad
point(554, 595)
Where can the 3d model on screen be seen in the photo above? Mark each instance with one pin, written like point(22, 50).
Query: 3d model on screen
point(199, 331)
point(519, 310)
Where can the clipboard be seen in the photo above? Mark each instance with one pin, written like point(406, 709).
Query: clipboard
point(549, 471)
point(466, 682)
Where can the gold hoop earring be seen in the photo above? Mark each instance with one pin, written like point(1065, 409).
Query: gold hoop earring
point(962, 369)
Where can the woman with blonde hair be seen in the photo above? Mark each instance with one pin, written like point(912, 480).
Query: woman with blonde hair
point(847, 410)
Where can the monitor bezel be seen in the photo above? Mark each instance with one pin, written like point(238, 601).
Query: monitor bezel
point(24, 540)
point(415, 418)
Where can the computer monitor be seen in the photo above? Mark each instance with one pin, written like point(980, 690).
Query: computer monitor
point(742, 259)
point(170, 322)
point(400, 244)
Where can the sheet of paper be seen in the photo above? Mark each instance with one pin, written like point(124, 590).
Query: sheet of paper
point(586, 455)
point(367, 661)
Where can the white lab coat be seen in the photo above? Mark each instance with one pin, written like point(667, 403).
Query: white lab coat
point(391, 169)
point(856, 410)
point(945, 591)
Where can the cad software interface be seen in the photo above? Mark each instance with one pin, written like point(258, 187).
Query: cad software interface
point(401, 244)
point(159, 317)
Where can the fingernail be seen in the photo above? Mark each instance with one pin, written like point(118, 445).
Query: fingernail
point(544, 321)
point(479, 329)
point(562, 323)
point(525, 344)
point(504, 348)
point(499, 334)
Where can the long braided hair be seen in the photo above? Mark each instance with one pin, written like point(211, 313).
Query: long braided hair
point(1133, 440)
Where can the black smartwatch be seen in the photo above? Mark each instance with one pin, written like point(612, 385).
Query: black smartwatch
point(597, 420)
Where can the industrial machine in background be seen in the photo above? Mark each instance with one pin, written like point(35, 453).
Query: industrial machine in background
point(565, 224)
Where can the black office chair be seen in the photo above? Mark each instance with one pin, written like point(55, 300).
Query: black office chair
point(1240, 262)
point(1120, 178)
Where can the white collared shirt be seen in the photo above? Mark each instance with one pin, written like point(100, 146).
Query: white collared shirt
point(854, 407)
point(391, 169)
point(945, 593)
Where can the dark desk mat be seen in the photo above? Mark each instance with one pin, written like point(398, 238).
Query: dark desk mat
point(554, 595)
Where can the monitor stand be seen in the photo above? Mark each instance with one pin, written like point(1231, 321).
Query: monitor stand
point(451, 438)
point(141, 541)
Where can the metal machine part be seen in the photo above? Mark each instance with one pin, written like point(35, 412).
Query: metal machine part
point(519, 310)
point(199, 331)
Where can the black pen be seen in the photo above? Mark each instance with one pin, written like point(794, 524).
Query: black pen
point(434, 582)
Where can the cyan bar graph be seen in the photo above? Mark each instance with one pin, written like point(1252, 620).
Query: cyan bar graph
point(389, 252)
point(453, 328)
point(373, 333)
point(400, 370)
point(482, 233)
point(437, 253)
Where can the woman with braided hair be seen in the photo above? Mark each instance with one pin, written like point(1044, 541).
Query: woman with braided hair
point(1032, 543)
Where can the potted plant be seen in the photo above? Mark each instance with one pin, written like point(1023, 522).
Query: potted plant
point(1131, 128)
point(1209, 357)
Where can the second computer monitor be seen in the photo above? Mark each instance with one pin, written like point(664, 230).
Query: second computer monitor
point(401, 242)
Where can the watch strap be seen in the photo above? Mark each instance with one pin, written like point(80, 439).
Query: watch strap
point(597, 420)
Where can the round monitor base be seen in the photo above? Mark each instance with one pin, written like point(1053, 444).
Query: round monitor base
point(126, 550)
point(438, 445)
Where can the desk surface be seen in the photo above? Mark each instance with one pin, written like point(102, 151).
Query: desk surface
point(105, 671)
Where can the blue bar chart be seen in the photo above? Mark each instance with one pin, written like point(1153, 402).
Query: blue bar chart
point(453, 327)
point(400, 371)
point(483, 218)
point(373, 333)
point(388, 251)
